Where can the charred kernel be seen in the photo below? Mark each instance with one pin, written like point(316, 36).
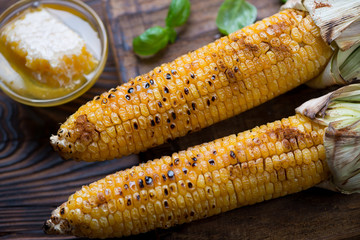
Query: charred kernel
point(192, 213)
point(193, 105)
point(172, 126)
point(173, 72)
point(213, 77)
point(152, 122)
point(190, 185)
point(173, 115)
point(166, 90)
point(160, 104)
point(213, 98)
point(187, 122)
point(194, 159)
point(97, 97)
point(127, 97)
point(210, 83)
point(164, 99)
point(166, 204)
point(130, 90)
point(208, 102)
point(232, 154)
point(128, 202)
point(146, 85)
point(104, 101)
point(166, 192)
point(194, 164)
point(148, 180)
point(135, 126)
point(186, 91)
point(139, 79)
point(157, 119)
point(141, 183)
point(185, 170)
point(126, 186)
point(171, 164)
point(164, 177)
point(168, 76)
point(170, 174)
point(187, 81)
point(214, 152)
point(138, 197)
point(188, 112)
point(212, 162)
point(151, 82)
point(192, 75)
point(168, 120)
point(62, 211)
point(176, 161)
point(236, 69)
point(111, 95)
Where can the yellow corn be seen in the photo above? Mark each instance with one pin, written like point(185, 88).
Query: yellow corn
point(269, 161)
point(215, 82)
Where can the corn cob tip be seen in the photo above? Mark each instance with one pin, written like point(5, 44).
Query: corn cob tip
point(60, 145)
point(57, 225)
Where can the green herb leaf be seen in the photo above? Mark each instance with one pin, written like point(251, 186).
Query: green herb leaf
point(172, 34)
point(283, 1)
point(151, 41)
point(234, 15)
point(178, 13)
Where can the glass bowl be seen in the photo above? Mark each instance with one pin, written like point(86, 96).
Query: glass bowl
point(85, 13)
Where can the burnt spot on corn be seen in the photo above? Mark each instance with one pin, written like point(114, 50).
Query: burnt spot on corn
point(185, 171)
point(111, 95)
point(127, 97)
point(192, 75)
point(173, 72)
point(190, 185)
point(213, 98)
point(151, 82)
point(62, 211)
point(104, 101)
point(130, 90)
point(170, 174)
point(186, 91)
point(173, 115)
point(168, 76)
point(166, 192)
point(168, 120)
point(136, 126)
point(148, 180)
point(97, 98)
point(232, 154)
point(157, 120)
point(141, 183)
point(193, 105)
point(166, 89)
point(164, 177)
point(172, 126)
point(146, 85)
point(212, 162)
point(152, 122)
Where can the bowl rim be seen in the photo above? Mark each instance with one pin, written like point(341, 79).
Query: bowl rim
point(86, 11)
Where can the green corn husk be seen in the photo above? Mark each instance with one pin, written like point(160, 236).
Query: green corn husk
point(340, 112)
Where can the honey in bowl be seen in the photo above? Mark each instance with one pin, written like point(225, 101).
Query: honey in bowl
point(48, 51)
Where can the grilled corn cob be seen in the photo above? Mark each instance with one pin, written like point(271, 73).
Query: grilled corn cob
point(267, 162)
point(215, 82)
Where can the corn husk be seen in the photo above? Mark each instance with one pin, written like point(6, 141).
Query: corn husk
point(339, 23)
point(340, 112)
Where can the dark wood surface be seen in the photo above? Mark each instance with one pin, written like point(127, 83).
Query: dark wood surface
point(34, 179)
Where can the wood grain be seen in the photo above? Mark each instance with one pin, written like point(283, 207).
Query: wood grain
point(34, 179)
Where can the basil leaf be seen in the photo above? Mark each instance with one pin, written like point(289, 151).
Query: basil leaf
point(179, 11)
point(151, 41)
point(172, 34)
point(283, 1)
point(234, 15)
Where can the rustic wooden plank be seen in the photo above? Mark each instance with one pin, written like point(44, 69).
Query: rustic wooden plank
point(34, 179)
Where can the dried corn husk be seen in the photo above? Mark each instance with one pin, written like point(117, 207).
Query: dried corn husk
point(340, 111)
point(339, 23)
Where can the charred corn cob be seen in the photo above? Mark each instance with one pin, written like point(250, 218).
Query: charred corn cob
point(267, 162)
point(215, 82)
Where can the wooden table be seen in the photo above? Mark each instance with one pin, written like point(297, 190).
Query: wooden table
point(34, 179)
